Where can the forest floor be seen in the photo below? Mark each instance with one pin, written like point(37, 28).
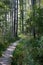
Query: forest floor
point(6, 56)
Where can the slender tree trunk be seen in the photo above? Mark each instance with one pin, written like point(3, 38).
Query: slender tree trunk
point(39, 3)
point(22, 12)
point(39, 17)
point(34, 34)
point(20, 16)
point(15, 18)
point(33, 9)
point(17, 21)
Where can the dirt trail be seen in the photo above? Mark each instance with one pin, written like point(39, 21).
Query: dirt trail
point(6, 56)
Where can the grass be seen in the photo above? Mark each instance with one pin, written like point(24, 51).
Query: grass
point(28, 52)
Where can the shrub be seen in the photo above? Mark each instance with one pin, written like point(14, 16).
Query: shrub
point(1, 48)
point(18, 55)
point(28, 52)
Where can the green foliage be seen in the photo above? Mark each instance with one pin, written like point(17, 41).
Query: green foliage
point(28, 52)
point(4, 9)
point(12, 39)
point(3, 47)
point(35, 20)
point(4, 4)
point(18, 54)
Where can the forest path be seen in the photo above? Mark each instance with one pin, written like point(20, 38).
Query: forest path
point(6, 56)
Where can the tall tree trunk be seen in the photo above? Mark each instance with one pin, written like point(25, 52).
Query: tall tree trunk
point(21, 15)
point(33, 9)
point(22, 18)
point(39, 3)
point(39, 17)
point(15, 18)
point(17, 21)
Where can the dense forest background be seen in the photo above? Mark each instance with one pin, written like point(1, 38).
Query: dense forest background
point(25, 17)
